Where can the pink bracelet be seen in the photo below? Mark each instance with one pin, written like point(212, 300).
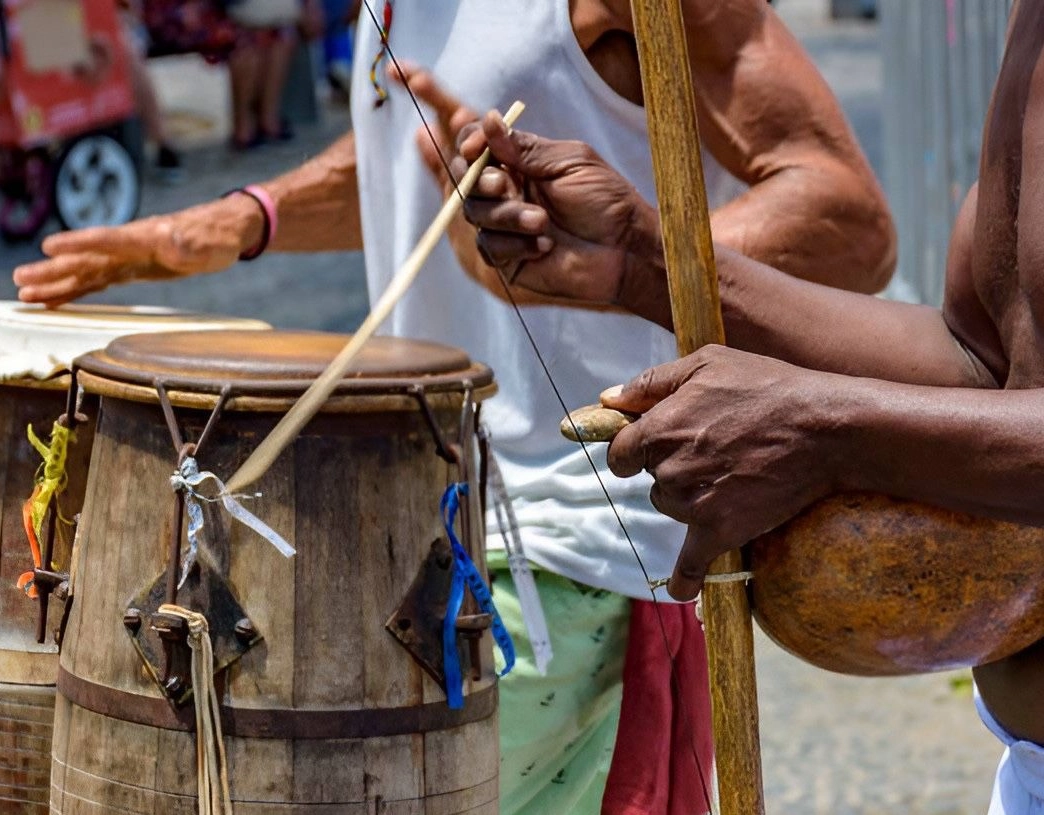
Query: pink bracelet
point(271, 218)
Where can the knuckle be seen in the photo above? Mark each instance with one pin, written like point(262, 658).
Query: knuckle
point(691, 570)
point(582, 150)
point(645, 381)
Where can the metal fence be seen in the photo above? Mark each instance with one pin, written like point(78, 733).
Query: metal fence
point(941, 58)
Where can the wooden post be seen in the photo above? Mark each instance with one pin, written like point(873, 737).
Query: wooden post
point(684, 215)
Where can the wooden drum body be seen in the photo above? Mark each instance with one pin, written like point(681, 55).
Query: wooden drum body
point(870, 585)
point(36, 350)
point(27, 667)
point(325, 711)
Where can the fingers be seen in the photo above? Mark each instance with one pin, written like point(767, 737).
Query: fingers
point(507, 216)
point(520, 151)
point(506, 251)
point(432, 153)
point(626, 455)
point(494, 183)
point(507, 146)
point(690, 570)
point(452, 114)
point(92, 239)
point(652, 386)
point(61, 279)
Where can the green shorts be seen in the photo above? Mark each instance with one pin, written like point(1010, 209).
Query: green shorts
point(557, 731)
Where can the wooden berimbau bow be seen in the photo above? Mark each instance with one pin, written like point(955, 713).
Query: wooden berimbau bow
point(682, 197)
point(689, 255)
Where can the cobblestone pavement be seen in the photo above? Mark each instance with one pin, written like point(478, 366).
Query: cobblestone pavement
point(832, 745)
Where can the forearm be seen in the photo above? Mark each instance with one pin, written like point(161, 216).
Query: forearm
point(814, 208)
point(818, 327)
point(827, 329)
point(973, 450)
point(318, 202)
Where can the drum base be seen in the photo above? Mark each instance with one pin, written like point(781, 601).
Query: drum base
point(26, 715)
point(152, 770)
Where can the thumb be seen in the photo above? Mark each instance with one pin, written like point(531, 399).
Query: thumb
point(452, 113)
point(432, 153)
point(651, 386)
point(518, 150)
point(690, 570)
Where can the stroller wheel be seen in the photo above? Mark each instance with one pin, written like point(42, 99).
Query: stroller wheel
point(97, 183)
point(26, 204)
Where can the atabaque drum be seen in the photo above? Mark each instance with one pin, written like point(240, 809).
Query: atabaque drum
point(870, 585)
point(36, 349)
point(330, 665)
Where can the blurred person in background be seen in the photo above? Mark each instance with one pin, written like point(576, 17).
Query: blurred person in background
point(260, 64)
point(136, 44)
point(337, 44)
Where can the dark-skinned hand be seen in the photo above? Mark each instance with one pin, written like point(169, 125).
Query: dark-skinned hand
point(737, 444)
point(554, 217)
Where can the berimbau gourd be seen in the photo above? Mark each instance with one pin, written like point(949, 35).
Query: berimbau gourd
point(872, 585)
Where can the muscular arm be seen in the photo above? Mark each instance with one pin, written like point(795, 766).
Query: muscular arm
point(828, 329)
point(319, 202)
point(814, 208)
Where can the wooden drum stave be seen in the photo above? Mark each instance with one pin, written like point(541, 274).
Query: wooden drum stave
point(36, 350)
point(324, 711)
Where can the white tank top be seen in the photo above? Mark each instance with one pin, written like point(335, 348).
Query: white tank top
point(489, 53)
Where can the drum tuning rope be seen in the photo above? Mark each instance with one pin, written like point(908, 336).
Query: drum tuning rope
point(462, 193)
point(211, 765)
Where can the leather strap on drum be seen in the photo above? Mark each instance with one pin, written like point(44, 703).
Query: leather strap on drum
point(280, 723)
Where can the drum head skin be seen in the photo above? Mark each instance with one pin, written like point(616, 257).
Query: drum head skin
point(38, 343)
point(276, 363)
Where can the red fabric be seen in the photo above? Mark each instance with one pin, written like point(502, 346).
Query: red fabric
point(662, 725)
point(189, 26)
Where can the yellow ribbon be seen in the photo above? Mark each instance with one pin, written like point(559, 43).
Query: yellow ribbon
point(51, 478)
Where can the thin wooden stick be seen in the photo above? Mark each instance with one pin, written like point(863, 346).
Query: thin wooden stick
point(318, 392)
point(675, 141)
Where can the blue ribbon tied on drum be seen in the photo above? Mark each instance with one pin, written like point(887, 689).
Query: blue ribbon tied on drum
point(465, 573)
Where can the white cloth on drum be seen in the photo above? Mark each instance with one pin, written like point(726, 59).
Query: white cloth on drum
point(38, 343)
point(1018, 788)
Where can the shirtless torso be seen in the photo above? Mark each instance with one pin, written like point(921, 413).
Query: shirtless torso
point(996, 302)
point(944, 407)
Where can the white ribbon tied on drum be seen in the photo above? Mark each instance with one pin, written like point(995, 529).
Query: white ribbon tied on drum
point(187, 479)
point(528, 597)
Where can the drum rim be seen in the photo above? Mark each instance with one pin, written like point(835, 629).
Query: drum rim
point(396, 395)
point(108, 375)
